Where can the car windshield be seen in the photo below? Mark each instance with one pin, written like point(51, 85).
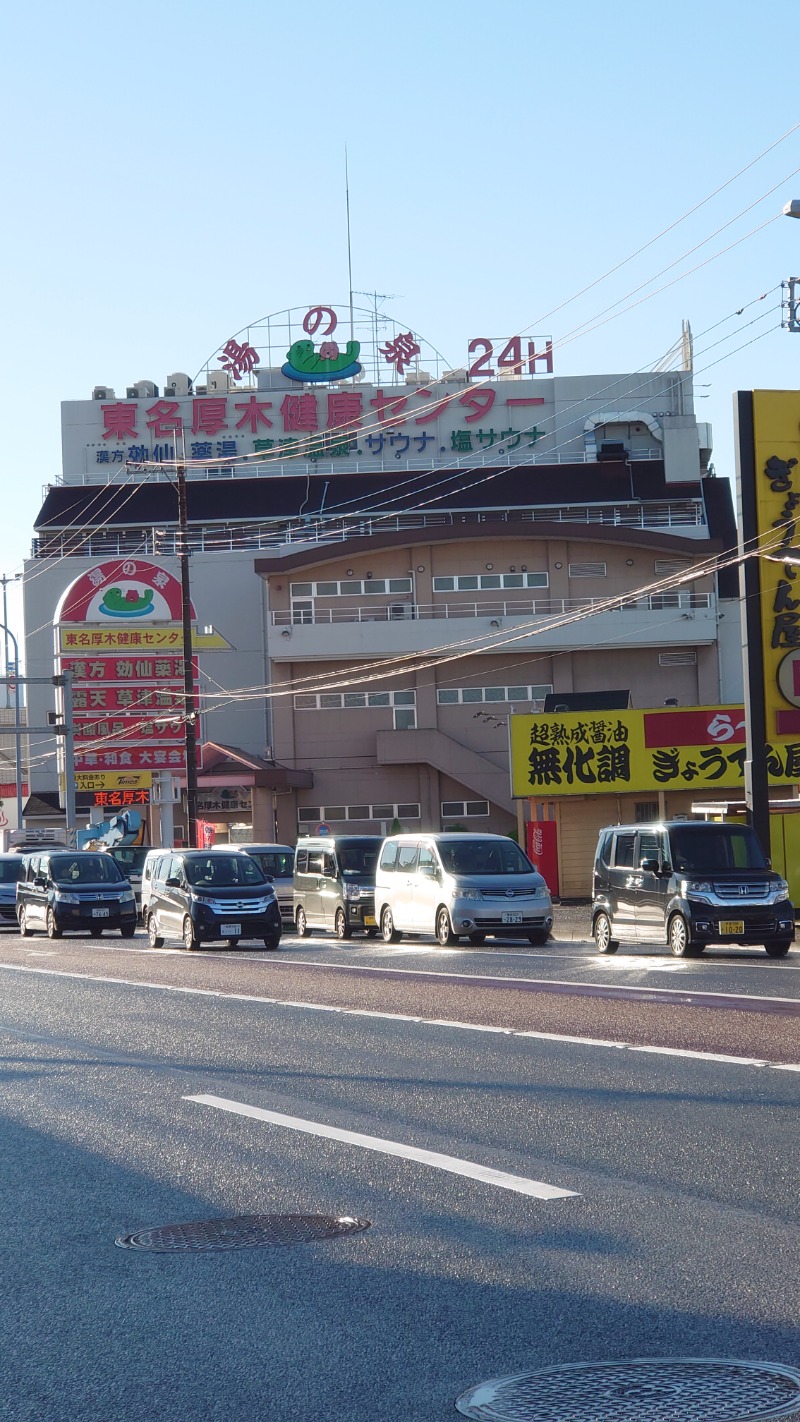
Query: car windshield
point(11, 870)
point(223, 871)
point(130, 857)
point(484, 856)
point(715, 847)
point(276, 862)
point(358, 857)
point(84, 869)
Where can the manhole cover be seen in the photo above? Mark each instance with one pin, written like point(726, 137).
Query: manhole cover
point(640, 1390)
point(244, 1232)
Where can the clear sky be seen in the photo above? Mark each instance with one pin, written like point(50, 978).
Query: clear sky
point(172, 173)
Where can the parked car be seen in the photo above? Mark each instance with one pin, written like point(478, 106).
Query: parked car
point(460, 886)
point(77, 890)
point(12, 867)
point(334, 883)
point(207, 895)
point(687, 884)
point(130, 858)
point(277, 863)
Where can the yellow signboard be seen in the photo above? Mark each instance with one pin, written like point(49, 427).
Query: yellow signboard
point(776, 421)
point(161, 637)
point(92, 780)
point(612, 752)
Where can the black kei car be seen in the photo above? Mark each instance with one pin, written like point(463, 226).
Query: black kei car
point(85, 892)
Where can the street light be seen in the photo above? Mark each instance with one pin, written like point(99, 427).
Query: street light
point(17, 753)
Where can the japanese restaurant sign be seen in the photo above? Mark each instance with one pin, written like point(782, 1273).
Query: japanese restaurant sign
point(120, 635)
point(601, 753)
point(776, 419)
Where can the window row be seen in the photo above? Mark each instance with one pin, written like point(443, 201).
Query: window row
point(464, 809)
point(452, 695)
point(351, 587)
point(319, 814)
point(352, 700)
point(471, 583)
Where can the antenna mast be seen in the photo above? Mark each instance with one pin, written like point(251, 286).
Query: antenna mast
point(349, 255)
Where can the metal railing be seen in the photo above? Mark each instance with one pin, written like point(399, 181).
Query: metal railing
point(510, 609)
point(252, 536)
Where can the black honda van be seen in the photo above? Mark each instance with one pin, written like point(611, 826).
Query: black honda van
point(688, 883)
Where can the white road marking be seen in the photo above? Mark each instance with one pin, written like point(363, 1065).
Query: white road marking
point(404, 1017)
point(451, 1163)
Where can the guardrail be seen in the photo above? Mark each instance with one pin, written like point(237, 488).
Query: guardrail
point(511, 609)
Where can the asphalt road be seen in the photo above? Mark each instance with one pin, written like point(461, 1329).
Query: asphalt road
point(533, 1199)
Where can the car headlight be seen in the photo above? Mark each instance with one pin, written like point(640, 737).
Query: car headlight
point(470, 894)
point(694, 888)
point(68, 898)
point(782, 888)
point(127, 896)
point(542, 892)
point(202, 898)
point(351, 891)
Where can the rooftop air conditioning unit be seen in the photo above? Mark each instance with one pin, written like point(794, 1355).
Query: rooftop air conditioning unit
point(178, 385)
point(201, 389)
point(612, 449)
point(454, 377)
point(419, 377)
point(103, 392)
point(142, 390)
point(400, 611)
point(218, 382)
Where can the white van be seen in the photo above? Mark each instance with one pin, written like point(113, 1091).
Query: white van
point(277, 862)
point(460, 885)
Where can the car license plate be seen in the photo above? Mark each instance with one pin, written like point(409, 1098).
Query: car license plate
point(369, 920)
point(231, 930)
point(99, 913)
point(732, 926)
point(511, 917)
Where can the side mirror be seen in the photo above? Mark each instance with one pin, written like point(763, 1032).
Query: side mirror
point(650, 866)
point(173, 883)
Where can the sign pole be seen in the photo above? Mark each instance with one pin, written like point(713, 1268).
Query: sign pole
point(190, 714)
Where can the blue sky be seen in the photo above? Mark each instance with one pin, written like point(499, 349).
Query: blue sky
point(172, 173)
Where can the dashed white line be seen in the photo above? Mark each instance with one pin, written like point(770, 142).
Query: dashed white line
point(539, 1189)
point(405, 1017)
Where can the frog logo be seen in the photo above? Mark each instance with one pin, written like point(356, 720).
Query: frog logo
point(130, 602)
point(304, 363)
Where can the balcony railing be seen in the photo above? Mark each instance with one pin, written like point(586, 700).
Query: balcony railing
point(511, 609)
point(251, 536)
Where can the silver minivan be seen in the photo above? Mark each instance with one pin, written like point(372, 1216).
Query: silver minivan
point(460, 886)
point(277, 862)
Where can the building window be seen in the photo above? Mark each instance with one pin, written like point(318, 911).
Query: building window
point(466, 695)
point(353, 700)
point(351, 587)
point(464, 809)
point(405, 718)
point(474, 582)
point(309, 815)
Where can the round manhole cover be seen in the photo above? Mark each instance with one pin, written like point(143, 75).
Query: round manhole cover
point(640, 1390)
point(243, 1232)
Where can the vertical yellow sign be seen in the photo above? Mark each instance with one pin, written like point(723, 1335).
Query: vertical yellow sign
point(776, 422)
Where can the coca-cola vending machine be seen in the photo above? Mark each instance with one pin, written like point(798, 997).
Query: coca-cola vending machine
point(541, 843)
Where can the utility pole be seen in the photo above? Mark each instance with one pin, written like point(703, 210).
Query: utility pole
point(190, 710)
point(5, 580)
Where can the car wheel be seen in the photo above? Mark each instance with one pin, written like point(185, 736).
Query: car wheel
point(301, 925)
point(601, 930)
point(477, 938)
point(678, 935)
point(154, 937)
point(779, 948)
point(190, 940)
point(389, 932)
point(53, 930)
point(25, 931)
point(343, 929)
point(233, 943)
point(272, 943)
point(445, 936)
point(127, 930)
point(539, 939)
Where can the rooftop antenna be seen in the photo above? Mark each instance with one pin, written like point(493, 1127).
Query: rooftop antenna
point(375, 297)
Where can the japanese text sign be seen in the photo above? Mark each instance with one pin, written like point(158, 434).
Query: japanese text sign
point(776, 416)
